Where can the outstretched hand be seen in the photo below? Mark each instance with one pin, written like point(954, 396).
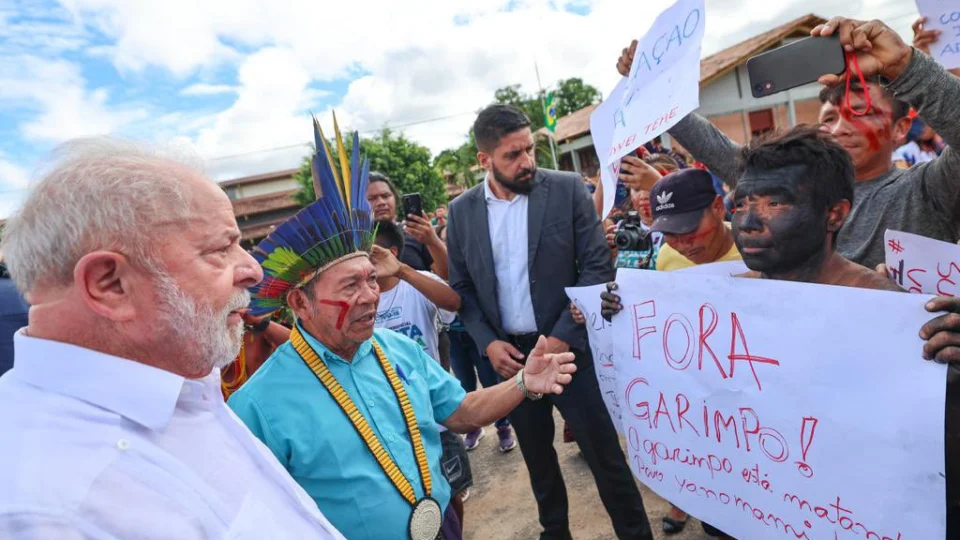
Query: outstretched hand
point(626, 59)
point(923, 38)
point(385, 263)
point(610, 302)
point(879, 50)
point(942, 334)
point(547, 373)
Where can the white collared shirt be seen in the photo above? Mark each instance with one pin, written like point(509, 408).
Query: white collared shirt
point(96, 446)
point(509, 239)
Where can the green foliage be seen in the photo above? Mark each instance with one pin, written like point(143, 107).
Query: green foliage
point(405, 162)
point(460, 163)
point(573, 95)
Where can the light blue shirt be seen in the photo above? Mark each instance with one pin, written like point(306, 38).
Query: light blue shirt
point(285, 406)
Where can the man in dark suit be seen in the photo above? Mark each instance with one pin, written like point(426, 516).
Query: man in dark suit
point(514, 243)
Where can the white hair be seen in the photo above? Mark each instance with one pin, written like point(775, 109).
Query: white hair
point(98, 193)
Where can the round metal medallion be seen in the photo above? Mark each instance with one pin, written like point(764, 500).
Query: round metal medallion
point(425, 520)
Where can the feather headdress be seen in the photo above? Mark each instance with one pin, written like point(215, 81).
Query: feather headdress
point(335, 227)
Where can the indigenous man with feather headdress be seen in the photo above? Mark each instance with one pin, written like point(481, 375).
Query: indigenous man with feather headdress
point(350, 411)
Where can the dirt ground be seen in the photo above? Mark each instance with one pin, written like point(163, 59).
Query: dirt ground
point(501, 504)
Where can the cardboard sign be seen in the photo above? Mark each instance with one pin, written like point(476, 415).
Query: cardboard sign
point(601, 129)
point(943, 15)
point(775, 409)
point(587, 300)
point(664, 81)
point(922, 265)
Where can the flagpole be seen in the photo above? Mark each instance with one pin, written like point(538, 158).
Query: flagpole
point(543, 107)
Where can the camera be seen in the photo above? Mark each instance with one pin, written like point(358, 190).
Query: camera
point(763, 88)
point(631, 236)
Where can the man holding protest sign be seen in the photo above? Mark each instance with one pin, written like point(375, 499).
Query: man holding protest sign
point(869, 126)
point(792, 200)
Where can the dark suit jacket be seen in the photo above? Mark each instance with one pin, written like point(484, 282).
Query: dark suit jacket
point(567, 248)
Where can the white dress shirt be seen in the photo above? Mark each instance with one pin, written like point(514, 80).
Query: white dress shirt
point(510, 243)
point(100, 447)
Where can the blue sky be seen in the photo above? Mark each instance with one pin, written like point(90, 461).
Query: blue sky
point(234, 80)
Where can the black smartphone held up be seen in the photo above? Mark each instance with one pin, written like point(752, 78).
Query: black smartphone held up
point(796, 64)
point(412, 204)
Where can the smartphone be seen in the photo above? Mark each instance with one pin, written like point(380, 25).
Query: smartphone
point(622, 195)
point(801, 62)
point(412, 204)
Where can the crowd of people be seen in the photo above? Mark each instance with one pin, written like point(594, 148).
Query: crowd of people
point(159, 390)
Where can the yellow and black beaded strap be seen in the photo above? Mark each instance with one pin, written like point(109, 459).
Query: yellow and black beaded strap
point(389, 466)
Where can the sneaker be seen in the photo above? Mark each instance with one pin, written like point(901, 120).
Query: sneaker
point(464, 495)
point(472, 440)
point(507, 442)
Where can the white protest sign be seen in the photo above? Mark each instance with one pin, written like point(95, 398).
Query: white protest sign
point(923, 265)
point(601, 130)
point(725, 268)
point(774, 409)
point(587, 300)
point(664, 81)
point(943, 15)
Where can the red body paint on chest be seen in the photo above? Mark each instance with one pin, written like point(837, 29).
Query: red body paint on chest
point(344, 309)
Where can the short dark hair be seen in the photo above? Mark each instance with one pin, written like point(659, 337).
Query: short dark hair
point(835, 95)
point(495, 122)
point(389, 236)
point(380, 177)
point(829, 166)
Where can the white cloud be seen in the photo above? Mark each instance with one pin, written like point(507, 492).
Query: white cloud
point(14, 181)
point(408, 63)
point(12, 176)
point(67, 108)
point(204, 89)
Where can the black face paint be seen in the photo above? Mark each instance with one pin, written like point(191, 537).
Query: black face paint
point(777, 226)
point(521, 184)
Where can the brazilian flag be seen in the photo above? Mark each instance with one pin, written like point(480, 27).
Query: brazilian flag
point(550, 113)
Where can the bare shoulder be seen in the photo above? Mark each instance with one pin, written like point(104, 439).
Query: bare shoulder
point(862, 277)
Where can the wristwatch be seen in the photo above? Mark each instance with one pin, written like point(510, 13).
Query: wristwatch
point(532, 396)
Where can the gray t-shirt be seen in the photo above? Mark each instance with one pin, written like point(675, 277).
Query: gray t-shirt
point(919, 200)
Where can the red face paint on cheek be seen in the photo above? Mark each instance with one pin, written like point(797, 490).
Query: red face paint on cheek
point(873, 141)
point(344, 309)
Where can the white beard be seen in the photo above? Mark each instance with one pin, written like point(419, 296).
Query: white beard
point(214, 341)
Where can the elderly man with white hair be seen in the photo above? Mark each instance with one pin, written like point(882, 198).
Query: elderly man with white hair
point(113, 423)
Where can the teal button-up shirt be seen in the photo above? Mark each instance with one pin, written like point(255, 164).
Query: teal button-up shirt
point(288, 409)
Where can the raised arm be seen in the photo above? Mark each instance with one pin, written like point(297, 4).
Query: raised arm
point(918, 80)
point(436, 291)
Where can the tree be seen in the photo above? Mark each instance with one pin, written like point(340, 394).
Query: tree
point(460, 163)
point(405, 162)
point(572, 95)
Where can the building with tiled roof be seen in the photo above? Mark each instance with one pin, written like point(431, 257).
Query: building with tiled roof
point(262, 202)
point(725, 99)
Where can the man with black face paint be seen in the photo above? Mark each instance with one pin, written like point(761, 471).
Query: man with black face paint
point(869, 122)
point(515, 242)
point(791, 201)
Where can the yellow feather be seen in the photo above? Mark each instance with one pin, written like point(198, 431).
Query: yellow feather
point(344, 166)
point(329, 154)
